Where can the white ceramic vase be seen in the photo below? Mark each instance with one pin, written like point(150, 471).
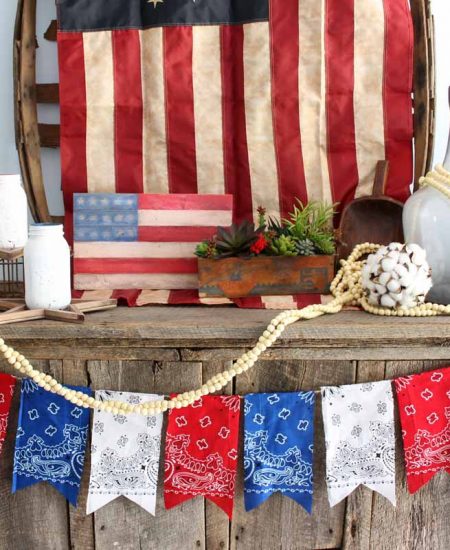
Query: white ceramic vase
point(47, 268)
point(13, 213)
point(426, 221)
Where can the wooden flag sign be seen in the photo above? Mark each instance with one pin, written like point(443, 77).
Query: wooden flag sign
point(142, 241)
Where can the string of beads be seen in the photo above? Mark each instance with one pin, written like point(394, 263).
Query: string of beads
point(439, 179)
point(346, 289)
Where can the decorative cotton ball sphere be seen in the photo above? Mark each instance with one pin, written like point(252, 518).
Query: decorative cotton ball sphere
point(397, 276)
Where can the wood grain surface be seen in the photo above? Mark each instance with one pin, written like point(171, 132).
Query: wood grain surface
point(170, 349)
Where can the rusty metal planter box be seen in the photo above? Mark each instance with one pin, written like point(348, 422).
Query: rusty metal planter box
point(265, 275)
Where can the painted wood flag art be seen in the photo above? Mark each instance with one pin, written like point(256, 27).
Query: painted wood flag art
point(143, 241)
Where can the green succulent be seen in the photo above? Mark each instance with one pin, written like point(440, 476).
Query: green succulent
point(305, 247)
point(236, 240)
point(284, 245)
point(206, 249)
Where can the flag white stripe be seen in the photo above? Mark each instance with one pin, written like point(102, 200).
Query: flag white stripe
point(157, 281)
point(368, 91)
point(99, 75)
point(155, 168)
point(207, 83)
point(133, 250)
point(184, 218)
point(258, 116)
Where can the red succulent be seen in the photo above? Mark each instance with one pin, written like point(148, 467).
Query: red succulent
point(259, 245)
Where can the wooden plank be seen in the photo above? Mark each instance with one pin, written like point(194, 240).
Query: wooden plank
point(122, 524)
point(358, 512)
point(47, 93)
point(217, 526)
point(49, 135)
point(424, 515)
point(280, 522)
point(81, 526)
point(35, 517)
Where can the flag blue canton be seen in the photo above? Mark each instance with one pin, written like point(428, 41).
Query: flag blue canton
point(50, 441)
point(278, 447)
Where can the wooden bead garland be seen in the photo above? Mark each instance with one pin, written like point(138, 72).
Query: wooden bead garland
point(346, 289)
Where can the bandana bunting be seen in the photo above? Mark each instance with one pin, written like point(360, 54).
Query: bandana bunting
point(125, 454)
point(202, 451)
point(360, 439)
point(278, 447)
point(424, 406)
point(50, 441)
point(7, 385)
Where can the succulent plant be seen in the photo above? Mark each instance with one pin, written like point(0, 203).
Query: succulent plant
point(305, 247)
point(206, 249)
point(397, 276)
point(284, 245)
point(237, 239)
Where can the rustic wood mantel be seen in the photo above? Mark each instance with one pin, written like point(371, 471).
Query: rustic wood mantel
point(164, 349)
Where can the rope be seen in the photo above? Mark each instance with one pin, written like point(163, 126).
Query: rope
point(346, 289)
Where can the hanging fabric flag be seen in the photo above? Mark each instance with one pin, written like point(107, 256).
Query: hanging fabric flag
point(278, 447)
point(201, 451)
point(7, 385)
point(360, 439)
point(50, 441)
point(424, 405)
point(124, 454)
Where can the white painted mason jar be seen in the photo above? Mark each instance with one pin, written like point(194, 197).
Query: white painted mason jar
point(47, 268)
point(13, 213)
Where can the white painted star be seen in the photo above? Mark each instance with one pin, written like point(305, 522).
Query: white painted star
point(155, 2)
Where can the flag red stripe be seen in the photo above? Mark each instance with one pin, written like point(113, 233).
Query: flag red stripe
point(128, 111)
point(236, 163)
point(180, 122)
point(398, 121)
point(72, 90)
point(284, 40)
point(185, 202)
point(339, 58)
point(168, 234)
point(178, 297)
point(138, 265)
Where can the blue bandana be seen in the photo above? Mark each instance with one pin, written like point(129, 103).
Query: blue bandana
point(278, 447)
point(50, 441)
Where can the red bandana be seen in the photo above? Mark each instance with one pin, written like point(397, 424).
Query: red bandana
point(424, 404)
point(201, 451)
point(7, 384)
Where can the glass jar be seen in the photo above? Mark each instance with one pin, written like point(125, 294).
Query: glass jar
point(426, 221)
point(47, 268)
point(13, 213)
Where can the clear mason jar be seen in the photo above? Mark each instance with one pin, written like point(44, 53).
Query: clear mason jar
point(13, 213)
point(47, 268)
point(426, 221)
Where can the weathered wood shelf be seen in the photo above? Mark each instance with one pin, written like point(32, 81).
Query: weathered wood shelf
point(172, 349)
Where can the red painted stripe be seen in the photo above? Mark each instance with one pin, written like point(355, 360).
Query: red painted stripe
point(167, 234)
point(250, 302)
point(284, 40)
point(398, 118)
point(303, 300)
point(72, 102)
point(339, 57)
point(236, 163)
point(185, 202)
point(180, 121)
point(138, 265)
point(183, 297)
point(128, 111)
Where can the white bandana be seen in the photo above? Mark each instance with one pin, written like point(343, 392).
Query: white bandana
point(360, 439)
point(124, 454)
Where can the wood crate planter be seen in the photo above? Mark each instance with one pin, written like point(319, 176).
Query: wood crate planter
point(265, 275)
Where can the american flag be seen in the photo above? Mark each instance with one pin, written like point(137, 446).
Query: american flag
point(267, 100)
point(142, 241)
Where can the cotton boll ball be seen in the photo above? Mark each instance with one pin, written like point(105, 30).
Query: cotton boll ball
point(397, 276)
